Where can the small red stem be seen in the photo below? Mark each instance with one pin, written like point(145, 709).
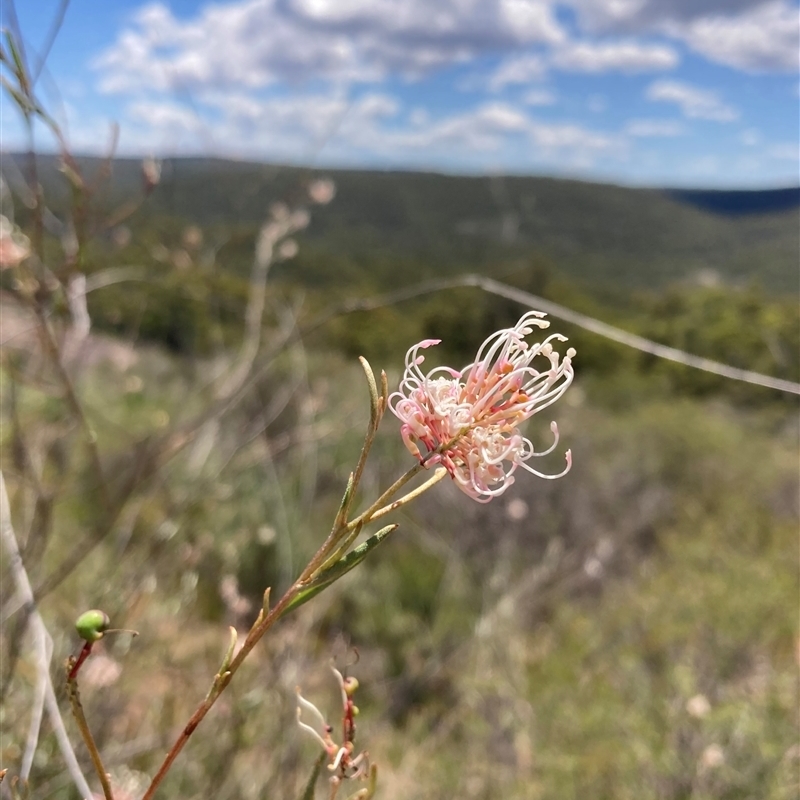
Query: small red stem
point(84, 654)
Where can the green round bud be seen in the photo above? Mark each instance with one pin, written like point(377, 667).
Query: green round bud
point(91, 625)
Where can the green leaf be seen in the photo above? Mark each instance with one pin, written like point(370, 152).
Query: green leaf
point(341, 514)
point(20, 71)
point(374, 410)
point(340, 568)
point(24, 104)
point(308, 792)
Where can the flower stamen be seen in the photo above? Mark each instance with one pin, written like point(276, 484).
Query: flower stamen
point(467, 420)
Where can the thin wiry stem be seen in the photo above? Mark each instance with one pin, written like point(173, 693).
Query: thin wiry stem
point(271, 233)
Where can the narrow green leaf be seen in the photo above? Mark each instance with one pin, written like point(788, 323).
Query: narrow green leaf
point(344, 506)
point(340, 568)
point(20, 71)
point(384, 392)
point(374, 414)
point(308, 792)
point(22, 101)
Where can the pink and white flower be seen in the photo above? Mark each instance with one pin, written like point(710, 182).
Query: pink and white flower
point(468, 420)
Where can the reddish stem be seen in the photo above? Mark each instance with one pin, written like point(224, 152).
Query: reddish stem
point(84, 654)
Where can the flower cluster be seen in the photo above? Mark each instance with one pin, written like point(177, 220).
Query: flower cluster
point(467, 420)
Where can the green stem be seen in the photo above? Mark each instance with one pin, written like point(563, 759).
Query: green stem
point(369, 514)
point(365, 516)
point(352, 535)
point(413, 494)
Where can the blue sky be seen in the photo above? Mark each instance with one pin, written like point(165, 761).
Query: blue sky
point(645, 92)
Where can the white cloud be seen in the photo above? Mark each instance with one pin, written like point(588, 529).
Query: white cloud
point(648, 128)
point(293, 127)
point(784, 151)
point(467, 22)
point(517, 70)
point(498, 134)
point(607, 14)
point(694, 103)
point(165, 116)
point(371, 129)
point(591, 57)
point(280, 79)
point(483, 128)
point(623, 56)
point(751, 35)
point(419, 116)
point(257, 42)
point(239, 44)
point(766, 38)
point(539, 97)
point(561, 136)
point(533, 20)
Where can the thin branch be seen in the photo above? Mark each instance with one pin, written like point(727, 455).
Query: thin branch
point(267, 239)
point(54, 354)
point(568, 315)
point(86, 733)
point(75, 291)
point(17, 569)
point(630, 339)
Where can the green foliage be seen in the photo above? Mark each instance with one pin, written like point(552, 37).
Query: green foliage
point(189, 312)
point(612, 682)
point(741, 328)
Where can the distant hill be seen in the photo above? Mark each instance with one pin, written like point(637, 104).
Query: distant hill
point(400, 225)
point(740, 202)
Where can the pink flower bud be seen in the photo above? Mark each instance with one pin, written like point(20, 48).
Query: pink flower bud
point(322, 191)
point(15, 247)
point(151, 172)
